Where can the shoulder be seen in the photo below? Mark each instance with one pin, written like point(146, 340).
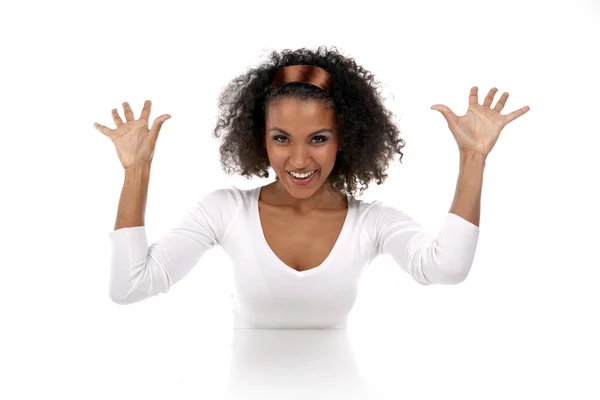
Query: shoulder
point(377, 212)
point(380, 220)
point(388, 228)
point(230, 196)
point(229, 200)
point(220, 207)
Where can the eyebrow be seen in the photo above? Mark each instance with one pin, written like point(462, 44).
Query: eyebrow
point(312, 134)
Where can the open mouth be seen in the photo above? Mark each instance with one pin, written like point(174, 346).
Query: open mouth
point(302, 178)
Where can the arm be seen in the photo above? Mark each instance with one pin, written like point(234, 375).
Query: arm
point(139, 270)
point(132, 203)
point(446, 258)
point(467, 198)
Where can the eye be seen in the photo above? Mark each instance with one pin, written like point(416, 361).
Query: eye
point(319, 139)
point(324, 139)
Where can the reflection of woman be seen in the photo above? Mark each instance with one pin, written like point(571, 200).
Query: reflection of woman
point(300, 243)
point(308, 363)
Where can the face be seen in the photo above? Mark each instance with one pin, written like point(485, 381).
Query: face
point(301, 137)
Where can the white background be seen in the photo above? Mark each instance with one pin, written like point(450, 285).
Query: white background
point(524, 323)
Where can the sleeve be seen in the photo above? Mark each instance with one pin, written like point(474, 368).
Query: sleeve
point(139, 271)
point(445, 259)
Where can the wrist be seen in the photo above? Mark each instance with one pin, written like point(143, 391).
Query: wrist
point(470, 156)
point(137, 174)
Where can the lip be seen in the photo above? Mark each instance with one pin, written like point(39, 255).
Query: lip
point(301, 172)
point(303, 183)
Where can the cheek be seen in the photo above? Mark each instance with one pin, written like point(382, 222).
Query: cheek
point(329, 154)
point(275, 153)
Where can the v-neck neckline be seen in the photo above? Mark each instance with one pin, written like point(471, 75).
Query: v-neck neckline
point(338, 243)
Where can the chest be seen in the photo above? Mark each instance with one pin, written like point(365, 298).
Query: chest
point(301, 242)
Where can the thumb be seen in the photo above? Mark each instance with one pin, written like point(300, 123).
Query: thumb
point(156, 125)
point(446, 112)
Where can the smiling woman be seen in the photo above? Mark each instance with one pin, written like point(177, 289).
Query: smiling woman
point(304, 158)
point(300, 243)
point(299, 94)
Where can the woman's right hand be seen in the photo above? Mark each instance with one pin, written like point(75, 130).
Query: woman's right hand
point(133, 140)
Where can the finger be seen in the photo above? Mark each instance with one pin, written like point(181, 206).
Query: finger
point(116, 117)
point(101, 128)
point(490, 97)
point(447, 113)
point(473, 96)
point(500, 104)
point(146, 110)
point(156, 125)
point(128, 112)
point(516, 114)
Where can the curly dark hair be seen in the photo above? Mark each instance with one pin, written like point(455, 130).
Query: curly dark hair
point(369, 137)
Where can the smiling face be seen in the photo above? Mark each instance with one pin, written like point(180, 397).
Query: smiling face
point(301, 137)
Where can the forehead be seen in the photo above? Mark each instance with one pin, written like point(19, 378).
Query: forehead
point(299, 114)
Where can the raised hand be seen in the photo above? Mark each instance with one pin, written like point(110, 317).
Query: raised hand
point(478, 130)
point(133, 140)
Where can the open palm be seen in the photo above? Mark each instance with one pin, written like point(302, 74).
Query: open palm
point(478, 130)
point(133, 140)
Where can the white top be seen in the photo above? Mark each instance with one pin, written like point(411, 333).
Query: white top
point(270, 294)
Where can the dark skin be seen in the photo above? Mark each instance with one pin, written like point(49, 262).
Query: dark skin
point(301, 136)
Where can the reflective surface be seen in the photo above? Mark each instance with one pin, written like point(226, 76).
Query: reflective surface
point(269, 364)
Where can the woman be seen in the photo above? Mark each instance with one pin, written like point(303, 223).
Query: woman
point(299, 244)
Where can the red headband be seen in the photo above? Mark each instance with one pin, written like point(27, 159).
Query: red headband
point(310, 74)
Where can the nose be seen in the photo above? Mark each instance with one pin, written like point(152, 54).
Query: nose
point(300, 157)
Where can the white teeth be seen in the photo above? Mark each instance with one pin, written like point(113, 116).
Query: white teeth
point(301, 176)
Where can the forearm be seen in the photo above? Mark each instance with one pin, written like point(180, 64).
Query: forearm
point(467, 197)
point(132, 203)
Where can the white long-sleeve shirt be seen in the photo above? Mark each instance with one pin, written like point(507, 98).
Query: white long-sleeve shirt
point(267, 292)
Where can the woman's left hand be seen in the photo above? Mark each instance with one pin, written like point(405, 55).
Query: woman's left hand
point(478, 130)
